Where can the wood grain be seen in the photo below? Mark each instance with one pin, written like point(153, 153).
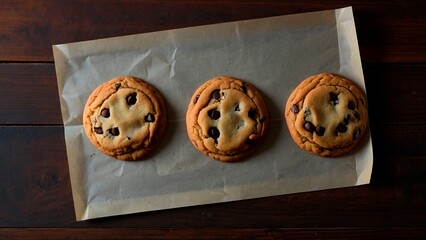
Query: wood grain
point(35, 191)
point(389, 31)
point(29, 94)
point(218, 233)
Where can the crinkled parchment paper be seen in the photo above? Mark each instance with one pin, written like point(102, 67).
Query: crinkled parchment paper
point(274, 54)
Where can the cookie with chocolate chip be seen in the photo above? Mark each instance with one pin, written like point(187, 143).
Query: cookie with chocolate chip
point(326, 115)
point(227, 119)
point(125, 118)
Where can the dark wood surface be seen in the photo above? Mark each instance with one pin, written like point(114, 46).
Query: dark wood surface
point(35, 192)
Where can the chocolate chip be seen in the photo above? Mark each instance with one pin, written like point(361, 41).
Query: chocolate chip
point(261, 120)
point(214, 133)
point(351, 105)
point(237, 108)
point(356, 134)
point(196, 99)
point(320, 130)
point(357, 115)
point(117, 86)
point(131, 99)
point(114, 131)
point(105, 113)
point(341, 128)
point(309, 126)
point(243, 88)
point(252, 113)
point(98, 130)
point(216, 94)
point(347, 119)
point(295, 109)
point(150, 117)
point(334, 98)
point(251, 142)
point(214, 114)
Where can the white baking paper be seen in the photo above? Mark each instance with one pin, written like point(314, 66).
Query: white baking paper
point(274, 54)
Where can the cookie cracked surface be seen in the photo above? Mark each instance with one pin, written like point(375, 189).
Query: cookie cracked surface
point(227, 119)
point(326, 115)
point(125, 118)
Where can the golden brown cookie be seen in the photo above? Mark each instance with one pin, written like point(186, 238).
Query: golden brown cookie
point(326, 115)
point(125, 118)
point(227, 119)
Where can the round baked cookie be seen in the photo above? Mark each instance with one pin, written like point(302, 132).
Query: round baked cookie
point(227, 119)
point(326, 115)
point(125, 118)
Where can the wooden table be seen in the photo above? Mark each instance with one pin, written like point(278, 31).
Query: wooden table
point(35, 193)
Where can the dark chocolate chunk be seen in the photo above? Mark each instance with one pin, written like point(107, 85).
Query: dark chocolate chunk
point(196, 99)
point(251, 142)
point(347, 119)
point(214, 133)
point(216, 94)
point(357, 115)
point(237, 108)
point(334, 98)
point(351, 105)
point(261, 119)
point(105, 113)
point(131, 99)
point(252, 113)
point(341, 128)
point(98, 130)
point(295, 109)
point(309, 126)
point(214, 114)
point(114, 131)
point(117, 86)
point(150, 117)
point(320, 131)
point(243, 88)
point(356, 134)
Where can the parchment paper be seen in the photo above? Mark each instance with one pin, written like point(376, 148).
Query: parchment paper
point(274, 54)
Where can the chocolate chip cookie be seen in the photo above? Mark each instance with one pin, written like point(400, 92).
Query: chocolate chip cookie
point(227, 119)
point(326, 115)
point(125, 118)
